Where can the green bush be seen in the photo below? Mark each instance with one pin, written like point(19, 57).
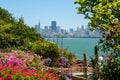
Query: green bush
point(46, 49)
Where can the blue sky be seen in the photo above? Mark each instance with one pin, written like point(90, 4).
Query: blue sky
point(45, 11)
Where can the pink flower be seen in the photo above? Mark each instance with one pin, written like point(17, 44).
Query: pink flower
point(10, 75)
point(15, 63)
point(53, 75)
point(56, 78)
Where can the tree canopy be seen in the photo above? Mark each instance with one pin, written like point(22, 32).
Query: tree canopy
point(15, 33)
point(100, 12)
point(105, 15)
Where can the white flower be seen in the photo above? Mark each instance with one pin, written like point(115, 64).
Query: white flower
point(115, 21)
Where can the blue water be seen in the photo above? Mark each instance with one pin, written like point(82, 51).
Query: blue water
point(77, 45)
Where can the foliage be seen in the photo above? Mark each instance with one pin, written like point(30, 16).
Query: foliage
point(63, 62)
point(48, 62)
point(14, 72)
point(21, 57)
point(20, 65)
point(105, 15)
point(69, 55)
point(100, 13)
point(46, 49)
point(15, 33)
point(112, 68)
point(14, 66)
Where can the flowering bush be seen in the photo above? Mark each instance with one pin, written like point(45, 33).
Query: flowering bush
point(69, 74)
point(69, 55)
point(48, 62)
point(21, 73)
point(63, 62)
point(20, 57)
point(14, 66)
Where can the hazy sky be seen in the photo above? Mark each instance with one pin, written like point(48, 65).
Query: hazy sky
point(45, 11)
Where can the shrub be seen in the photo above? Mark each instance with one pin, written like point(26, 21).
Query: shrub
point(69, 55)
point(13, 66)
point(15, 72)
point(63, 62)
point(47, 49)
point(48, 62)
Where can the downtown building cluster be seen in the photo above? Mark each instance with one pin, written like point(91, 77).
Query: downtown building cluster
point(54, 31)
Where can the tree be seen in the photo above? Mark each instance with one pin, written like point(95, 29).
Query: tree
point(105, 15)
point(15, 33)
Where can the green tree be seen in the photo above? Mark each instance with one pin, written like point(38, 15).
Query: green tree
point(105, 15)
point(5, 15)
point(15, 33)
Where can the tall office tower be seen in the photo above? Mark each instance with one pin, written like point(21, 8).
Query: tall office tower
point(46, 28)
point(37, 27)
point(71, 30)
point(82, 27)
point(53, 26)
point(58, 30)
point(78, 29)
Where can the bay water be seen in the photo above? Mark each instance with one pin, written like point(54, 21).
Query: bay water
point(77, 45)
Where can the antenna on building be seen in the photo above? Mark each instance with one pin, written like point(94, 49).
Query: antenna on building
point(39, 23)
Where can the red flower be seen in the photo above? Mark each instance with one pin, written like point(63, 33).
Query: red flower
point(2, 79)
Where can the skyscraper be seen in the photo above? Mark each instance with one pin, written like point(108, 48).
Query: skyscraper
point(53, 26)
point(37, 27)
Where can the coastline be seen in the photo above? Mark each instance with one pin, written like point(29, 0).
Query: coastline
point(77, 45)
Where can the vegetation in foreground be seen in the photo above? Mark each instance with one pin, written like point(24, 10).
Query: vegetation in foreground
point(15, 34)
point(105, 16)
point(16, 65)
point(20, 65)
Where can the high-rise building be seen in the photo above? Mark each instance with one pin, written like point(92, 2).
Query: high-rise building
point(78, 29)
point(71, 30)
point(53, 26)
point(37, 27)
point(82, 27)
point(46, 28)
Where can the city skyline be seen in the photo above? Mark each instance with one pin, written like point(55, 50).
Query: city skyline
point(38, 25)
point(55, 31)
point(62, 11)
